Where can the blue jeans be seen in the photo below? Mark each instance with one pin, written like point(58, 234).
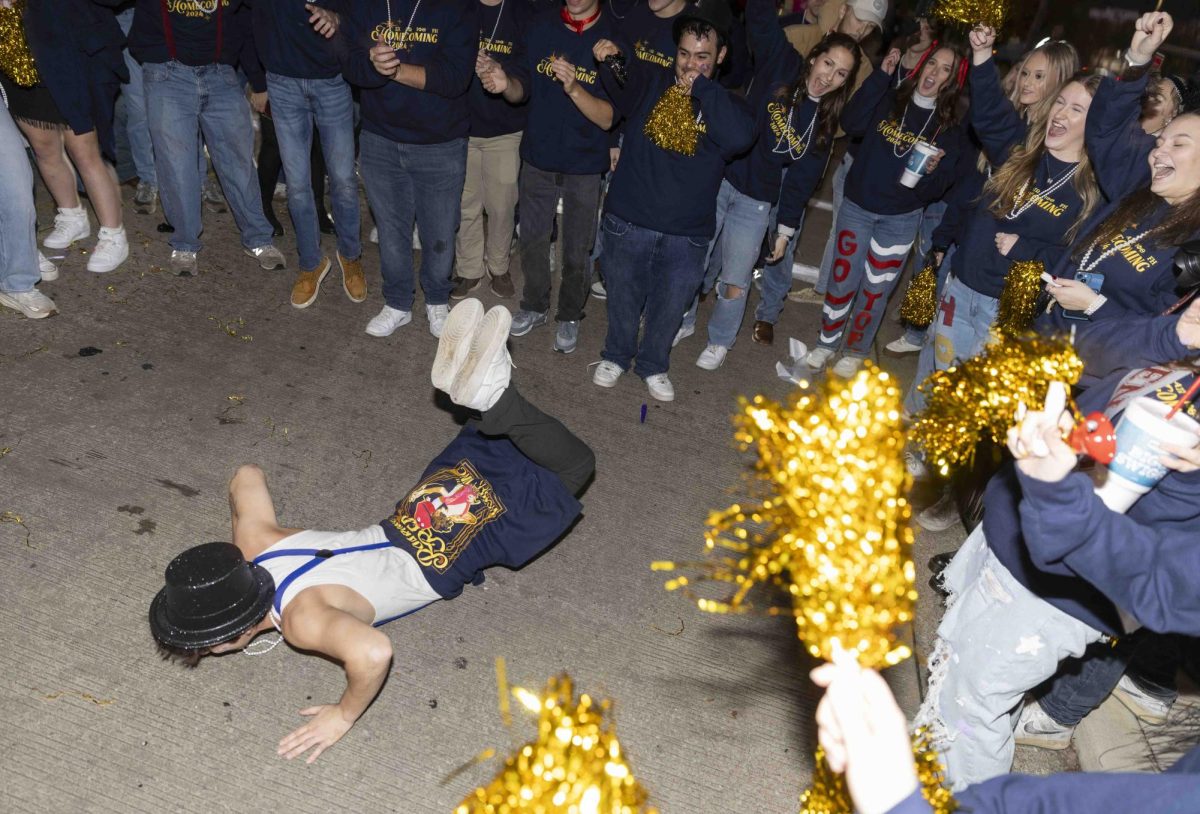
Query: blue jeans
point(961, 328)
point(18, 217)
point(871, 250)
point(839, 195)
point(652, 275)
point(295, 105)
point(776, 278)
point(397, 177)
point(136, 131)
point(185, 102)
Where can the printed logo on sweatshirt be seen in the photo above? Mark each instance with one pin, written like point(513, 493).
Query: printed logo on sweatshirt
point(444, 513)
point(581, 74)
point(1046, 203)
point(396, 37)
point(1174, 391)
point(896, 135)
point(781, 130)
point(645, 53)
point(1134, 253)
point(496, 46)
point(195, 8)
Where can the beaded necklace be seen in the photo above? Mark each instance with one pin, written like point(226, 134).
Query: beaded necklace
point(1119, 244)
point(403, 44)
point(805, 139)
point(1021, 204)
point(903, 119)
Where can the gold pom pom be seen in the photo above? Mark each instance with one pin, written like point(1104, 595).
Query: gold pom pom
point(1018, 301)
point(828, 793)
point(574, 766)
point(831, 528)
point(971, 12)
point(978, 399)
point(920, 299)
point(672, 123)
point(16, 60)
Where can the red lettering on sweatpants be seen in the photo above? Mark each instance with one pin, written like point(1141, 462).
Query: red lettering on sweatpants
point(946, 306)
point(862, 319)
point(871, 296)
point(841, 269)
point(853, 338)
point(847, 243)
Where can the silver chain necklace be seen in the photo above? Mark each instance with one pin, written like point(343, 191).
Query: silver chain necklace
point(904, 118)
point(806, 138)
point(1119, 244)
point(492, 37)
point(1021, 205)
point(403, 37)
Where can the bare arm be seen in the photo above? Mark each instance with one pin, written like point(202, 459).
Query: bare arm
point(255, 526)
point(310, 623)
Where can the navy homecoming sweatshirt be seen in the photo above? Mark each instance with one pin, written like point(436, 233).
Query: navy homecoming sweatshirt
point(651, 37)
point(502, 35)
point(661, 189)
point(288, 45)
point(443, 37)
point(197, 36)
point(874, 179)
point(558, 138)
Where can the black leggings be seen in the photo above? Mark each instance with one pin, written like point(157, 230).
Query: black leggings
point(541, 439)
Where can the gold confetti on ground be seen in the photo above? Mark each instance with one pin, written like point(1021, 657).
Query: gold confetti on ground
point(972, 12)
point(16, 60)
point(4, 451)
point(17, 520)
point(920, 299)
point(233, 328)
point(978, 399)
point(828, 793)
point(1019, 299)
point(86, 696)
point(672, 123)
point(832, 531)
point(574, 766)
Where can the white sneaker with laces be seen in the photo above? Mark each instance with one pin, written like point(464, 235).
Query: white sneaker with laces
point(817, 358)
point(683, 333)
point(437, 315)
point(112, 249)
point(660, 387)
point(269, 258)
point(1146, 707)
point(847, 366)
point(387, 321)
point(32, 303)
point(606, 374)
point(455, 342)
point(901, 346)
point(487, 371)
point(712, 357)
point(48, 270)
point(1036, 728)
point(599, 291)
point(69, 225)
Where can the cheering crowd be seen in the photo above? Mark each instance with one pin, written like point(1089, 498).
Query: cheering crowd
point(670, 149)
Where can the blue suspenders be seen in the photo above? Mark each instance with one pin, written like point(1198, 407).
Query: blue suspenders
point(319, 555)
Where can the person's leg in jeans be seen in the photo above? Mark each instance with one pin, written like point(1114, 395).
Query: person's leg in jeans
point(893, 235)
point(437, 172)
point(137, 123)
point(831, 246)
point(674, 277)
point(628, 255)
point(469, 245)
point(581, 200)
point(501, 166)
point(538, 197)
point(269, 165)
point(745, 226)
point(173, 107)
point(776, 278)
point(1081, 684)
point(852, 230)
point(293, 110)
point(18, 216)
point(334, 111)
point(713, 258)
point(541, 438)
point(391, 196)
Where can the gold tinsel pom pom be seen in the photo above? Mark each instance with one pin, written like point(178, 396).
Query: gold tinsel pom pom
point(828, 793)
point(1018, 301)
point(672, 123)
point(920, 299)
point(978, 399)
point(832, 530)
point(16, 60)
point(971, 12)
point(574, 767)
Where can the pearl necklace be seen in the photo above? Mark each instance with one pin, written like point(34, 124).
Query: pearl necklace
point(805, 138)
point(403, 44)
point(1119, 244)
point(903, 118)
point(1021, 204)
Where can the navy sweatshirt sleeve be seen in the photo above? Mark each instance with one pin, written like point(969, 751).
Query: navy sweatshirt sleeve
point(288, 45)
point(1115, 140)
point(993, 117)
point(864, 107)
point(249, 59)
point(801, 181)
point(1142, 341)
point(730, 124)
point(1145, 569)
point(773, 54)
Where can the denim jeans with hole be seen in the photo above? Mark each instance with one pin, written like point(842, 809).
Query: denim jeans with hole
point(296, 106)
point(421, 184)
point(649, 275)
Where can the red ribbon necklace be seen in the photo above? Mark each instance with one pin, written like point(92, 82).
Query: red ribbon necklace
point(577, 25)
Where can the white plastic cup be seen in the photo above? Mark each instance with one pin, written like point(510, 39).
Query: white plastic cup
point(1138, 465)
point(918, 160)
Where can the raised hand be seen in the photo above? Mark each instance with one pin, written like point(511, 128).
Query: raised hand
point(982, 39)
point(891, 61)
point(1149, 33)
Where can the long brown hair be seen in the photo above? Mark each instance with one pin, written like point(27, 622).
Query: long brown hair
point(947, 98)
point(829, 109)
point(1017, 173)
point(1180, 224)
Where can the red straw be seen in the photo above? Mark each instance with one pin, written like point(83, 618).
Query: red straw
point(1191, 391)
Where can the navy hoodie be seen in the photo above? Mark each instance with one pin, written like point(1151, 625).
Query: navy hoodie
point(663, 190)
point(444, 38)
point(201, 38)
point(288, 45)
point(874, 179)
point(502, 35)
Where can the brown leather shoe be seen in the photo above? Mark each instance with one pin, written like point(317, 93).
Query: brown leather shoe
point(308, 283)
point(502, 286)
point(463, 286)
point(764, 333)
point(354, 282)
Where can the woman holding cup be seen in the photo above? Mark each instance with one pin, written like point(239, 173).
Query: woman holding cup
point(911, 139)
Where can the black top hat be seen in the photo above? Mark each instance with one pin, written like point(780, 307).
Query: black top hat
point(212, 595)
point(714, 12)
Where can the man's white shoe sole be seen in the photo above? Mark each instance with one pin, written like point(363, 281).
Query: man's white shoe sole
point(455, 342)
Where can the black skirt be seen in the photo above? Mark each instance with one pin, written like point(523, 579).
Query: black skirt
point(32, 105)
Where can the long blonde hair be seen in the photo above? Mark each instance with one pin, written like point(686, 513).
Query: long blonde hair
point(1016, 175)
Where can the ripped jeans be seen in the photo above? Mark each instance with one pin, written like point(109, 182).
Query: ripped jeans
point(996, 641)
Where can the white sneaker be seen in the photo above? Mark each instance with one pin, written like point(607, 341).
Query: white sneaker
point(48, 270)
point(847, 366)
point(683, 333)
point(487, 370)
point(901, 346)
point(599, 291)
point(69, 225)
point(32, 303)
point(712, 357)
point(387, 321)
point(455, 342)
point(374, 236)
point(269, 258)
point(1036, 728)
point(606, 374)
point(660, 387)
point(112, 249)
point(941, 515)
point(183, 264)
point(416, 240)
point(817, 358)
point(437, 314)
point(1146, 707)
